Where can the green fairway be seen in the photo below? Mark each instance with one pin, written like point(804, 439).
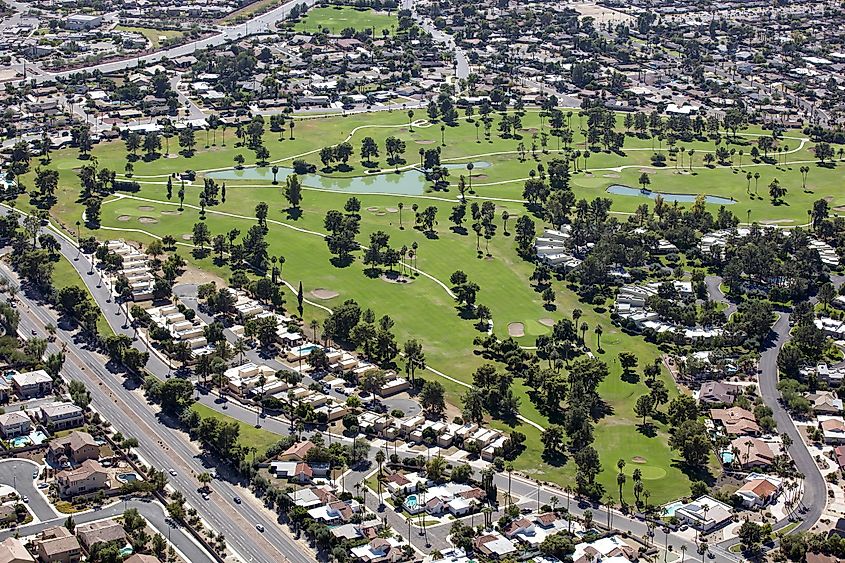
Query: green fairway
point(249, 435)
point(65, 275)
point(423, 309)
point(337, 18)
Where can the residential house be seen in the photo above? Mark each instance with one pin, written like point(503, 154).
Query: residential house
point(336, 512)
point(833, 428)
point(753, 452)
point(825, 402)
point(31, 384)
point(101, 532)
point(705, 513)
point(758, 492)
point(607, 550)
point(12, 550)
point(735, 421)
point(297, 451)
point(379, 550)
point(8, 514)
point(494, 545)
point(61, 416)
point(89, 477)
point(14, 423)
point(74, 448)
point(58, 545)
point(142, 558)
point(718, 393)
point(299, 470)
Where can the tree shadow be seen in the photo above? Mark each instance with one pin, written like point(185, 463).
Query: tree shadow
point(648, 429)
point(293, 213)
point(341, 261)
point(630, 376)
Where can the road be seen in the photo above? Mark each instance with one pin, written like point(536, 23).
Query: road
point(714, 293)
point(17, 473)
point(258, 24)
point(461, 61)
point(152, 511)
point(162, 445)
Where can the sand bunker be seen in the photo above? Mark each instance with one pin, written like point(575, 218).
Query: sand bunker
point(639, 459)
point(187, 236)
point(147, 220)
point(321, 293)
point(424, 142)
point(372, 209)
point(516, 330)
point(171, 212)
point(391, 210)
point(480, 176)
point(611, 175)
point(547, 322)
point(146, 208)
point(124, 218)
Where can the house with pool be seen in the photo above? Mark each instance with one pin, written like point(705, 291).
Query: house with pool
point(456, 499)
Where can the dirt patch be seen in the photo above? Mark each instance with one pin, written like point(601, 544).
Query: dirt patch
point(516, 330)
point(396, 278)
point(187, 236)
point(424, 142)
point(321, 293)
point(196, 276)
point(547, 322)
point(391, 210)
point(171, 212)
point(638, 459)
point(146, 208)
point(124, 218)
point(611, 175)
point(147, 220)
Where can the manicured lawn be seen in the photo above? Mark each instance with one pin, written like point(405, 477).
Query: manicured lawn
point(153, 35)
point(64, 275)
point(423, 309)
point(247, 11)
point(338, 18)
point(249, 435)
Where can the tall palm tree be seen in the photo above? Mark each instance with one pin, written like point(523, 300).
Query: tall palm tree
point(314, 324)
point(598, 330)
point(509, 469)
point(239, 348)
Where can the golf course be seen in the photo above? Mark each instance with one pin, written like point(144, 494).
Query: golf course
point(424, 308)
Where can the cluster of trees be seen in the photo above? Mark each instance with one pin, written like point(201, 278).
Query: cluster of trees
point(350, 325)
point(342, 228)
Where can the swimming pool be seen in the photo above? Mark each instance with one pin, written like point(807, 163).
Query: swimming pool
point(305, 350)
point(127, 477)
point(411, 501)
point(669, 509)
point(619, 189)
point(727, 457)
point(20, 441)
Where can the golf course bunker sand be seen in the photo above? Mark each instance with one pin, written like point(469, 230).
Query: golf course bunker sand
point(638, 459)
point(391, 210)
point(147, 220)
point(146, 208)
point(373, 209)
point(124, 218)
point(547, 322)
point(168, 212)
point(424, 142)
point(611, 175)
point(187, 236)
point(480, 176)
point(516, 330)
point(321, 293)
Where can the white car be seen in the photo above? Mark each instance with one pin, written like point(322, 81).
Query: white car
point(259, 527)
point(173, 473)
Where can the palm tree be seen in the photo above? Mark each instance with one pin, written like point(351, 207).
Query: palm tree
point(584, 328)
point(380, 461)
point(683, 547)
point(509, 469)
point(314, 324)
point(239, 348)
point(410, 117)
point(291, 125)
point(470, 166)
point(598, 330)
point(400, 206)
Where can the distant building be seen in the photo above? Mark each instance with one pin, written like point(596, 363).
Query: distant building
point(83, 22)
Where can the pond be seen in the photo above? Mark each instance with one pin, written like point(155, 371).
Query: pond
point(618, 189)
point(408, 182)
